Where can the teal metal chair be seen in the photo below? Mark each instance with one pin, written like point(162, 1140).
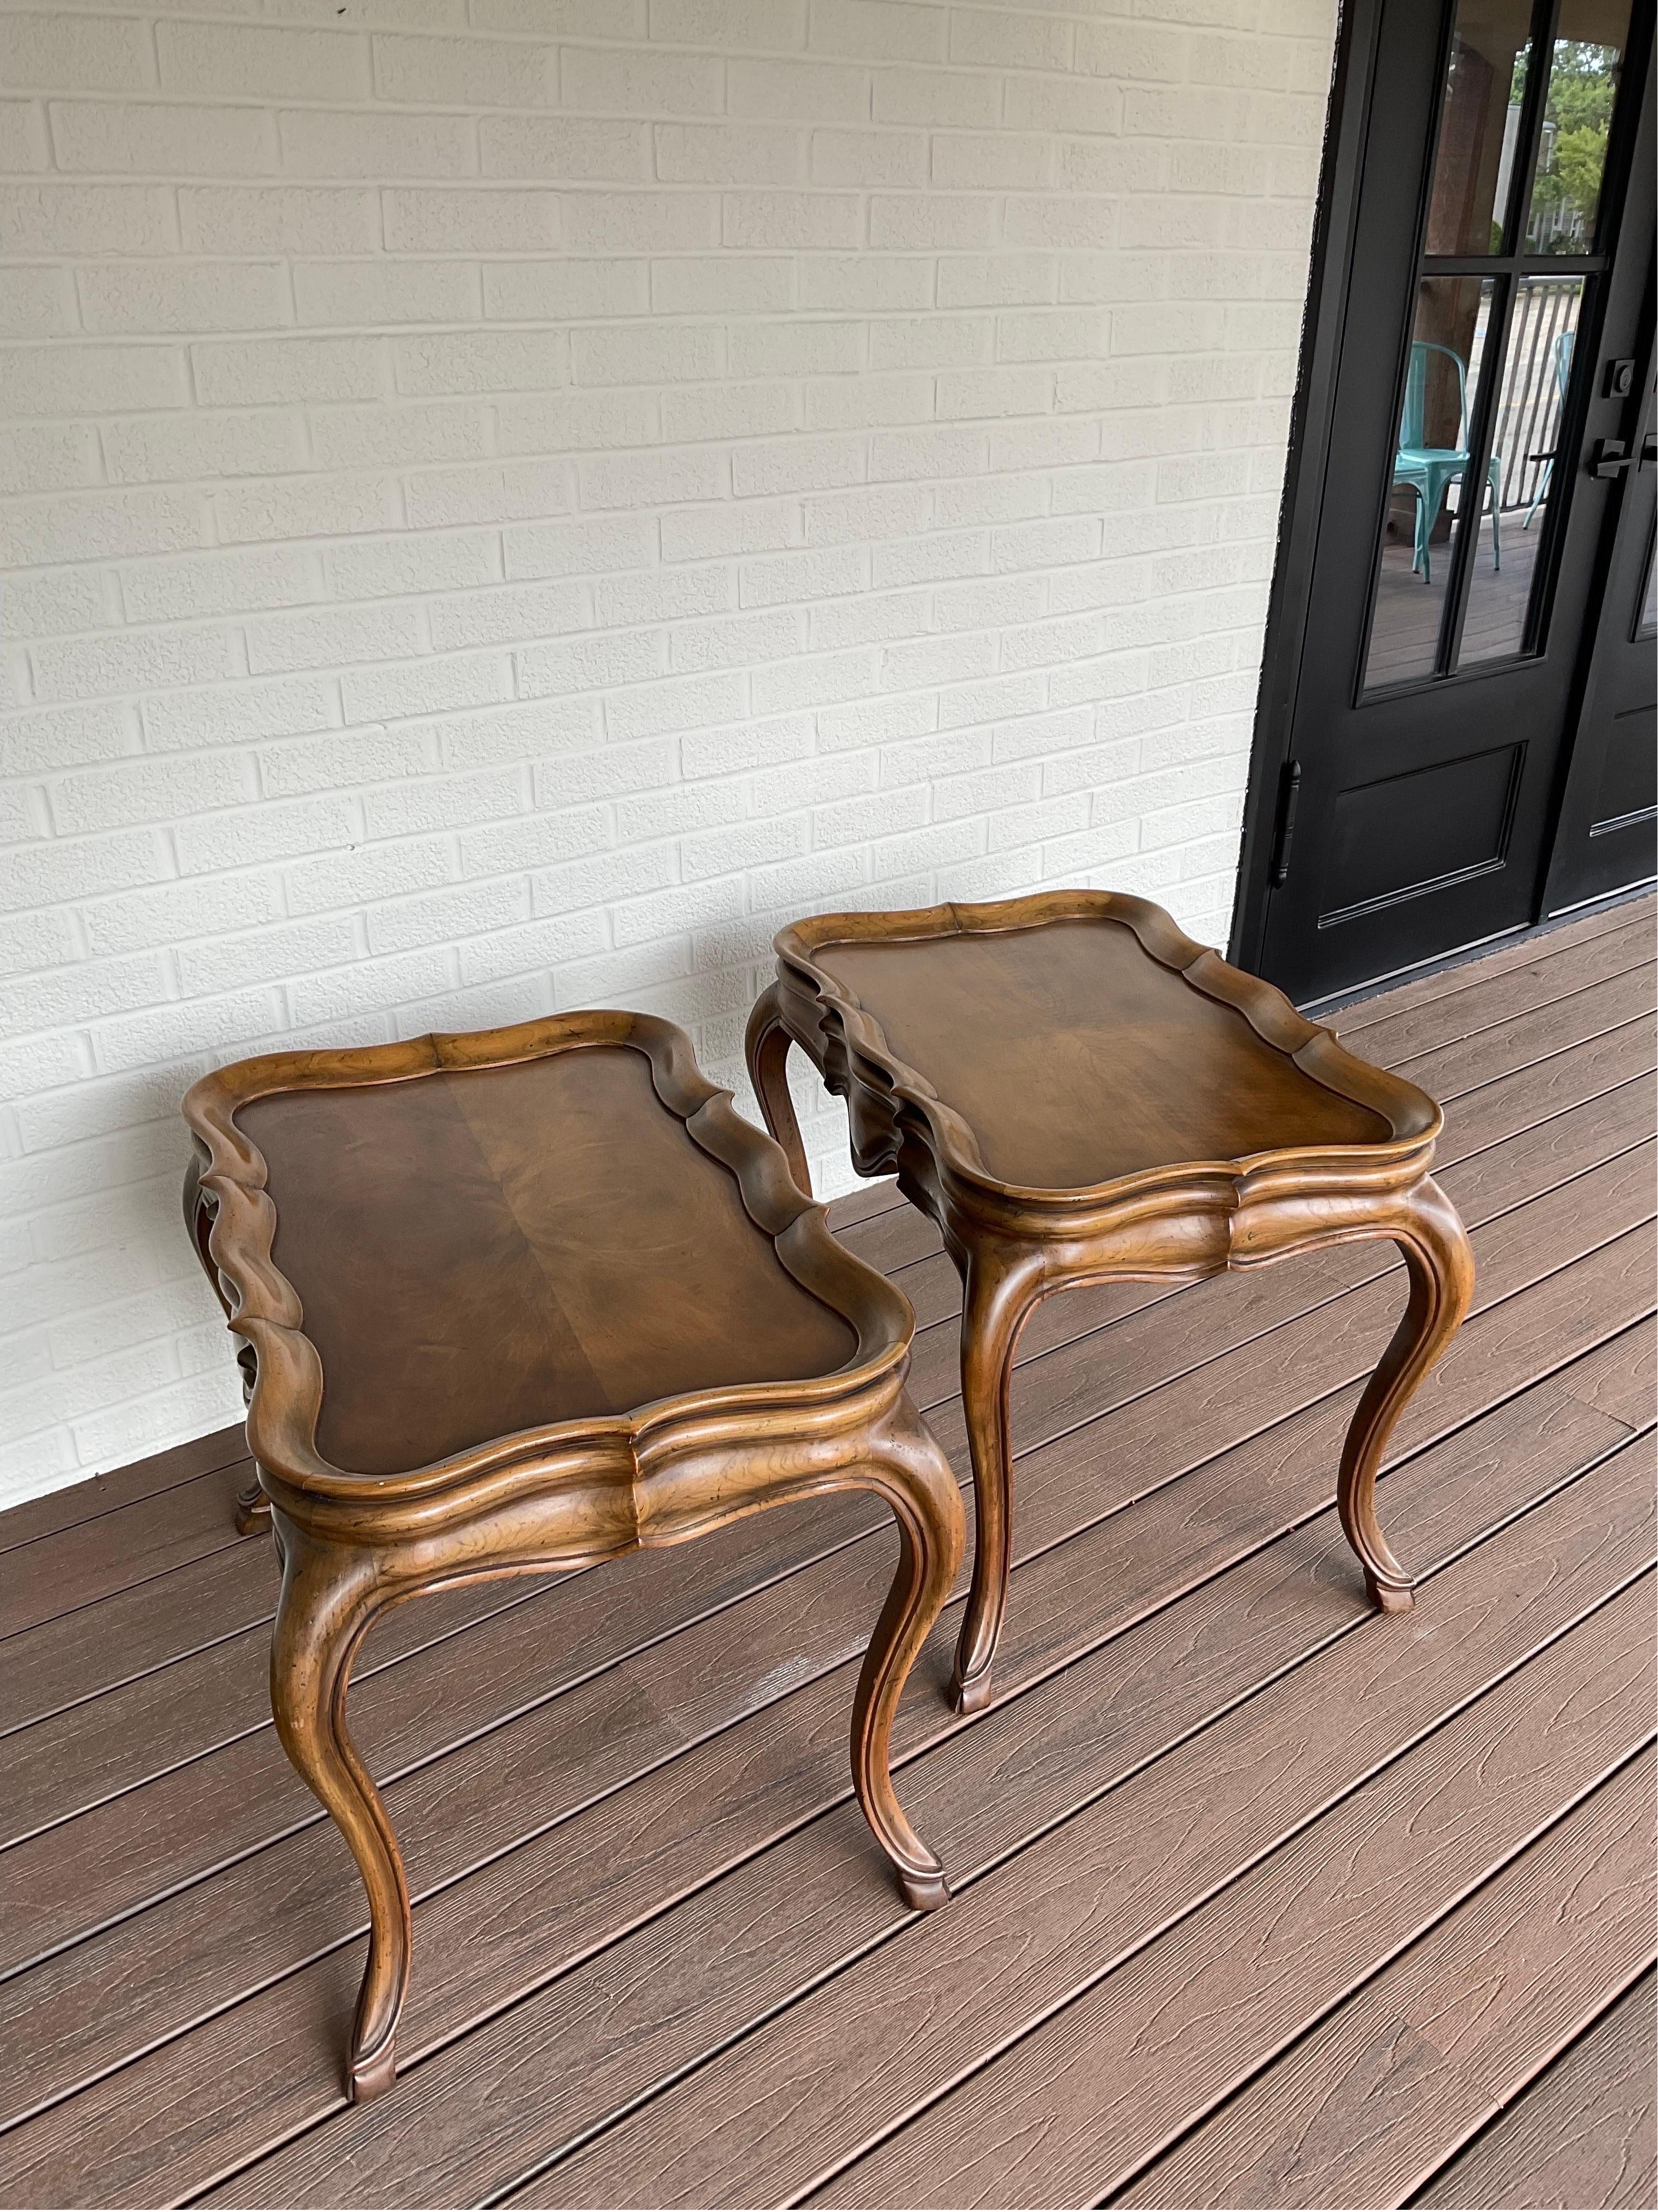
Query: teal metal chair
point(1430, 471)
point(1562, 378)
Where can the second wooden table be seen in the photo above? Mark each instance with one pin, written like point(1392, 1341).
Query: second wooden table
point(1074, 1090)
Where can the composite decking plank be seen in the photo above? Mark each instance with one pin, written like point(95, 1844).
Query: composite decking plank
point(1558, 1080)
point(1627, 1389)
point(1433, 2047)
point(609, 2023)
point(243, 2080)
point(878, 1196)
point(804, 2095)
point(94, 1558)
point(1450, 1070)
point(892, 1238)
point(84, 1756)
point(1583, 2135)
point(96, 1494)
point(108, 1862)
point(1382, 1003)
point(172, 1715)
point(1386, 1034)
point(1144, 2050)
point(1417, 1029)
point(74, 1658)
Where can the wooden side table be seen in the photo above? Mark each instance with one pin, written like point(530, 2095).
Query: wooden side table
point(1073, 1090)
point(529, 1299)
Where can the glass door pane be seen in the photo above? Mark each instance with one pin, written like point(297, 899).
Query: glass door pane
point(1571, 153)
point(1430, 458)
point(1479, 126)
point(1531, 402)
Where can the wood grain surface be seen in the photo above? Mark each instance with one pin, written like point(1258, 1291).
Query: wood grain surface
point(1584, 2134)
point(1438, 2043)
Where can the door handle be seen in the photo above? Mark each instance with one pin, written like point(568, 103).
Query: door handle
point(1609, 458)
point(1649, 450)
point(1289, 799)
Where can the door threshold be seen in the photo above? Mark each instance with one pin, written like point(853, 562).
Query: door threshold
point(1619, 898)
point(1318, 1009)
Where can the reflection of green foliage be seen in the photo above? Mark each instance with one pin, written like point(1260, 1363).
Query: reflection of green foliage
point(1579, 158)
point(1583, 86)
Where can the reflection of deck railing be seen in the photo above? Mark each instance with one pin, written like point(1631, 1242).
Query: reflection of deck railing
point(1528, 404)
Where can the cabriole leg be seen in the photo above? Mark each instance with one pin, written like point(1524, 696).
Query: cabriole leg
point(1440, 1267)
point(252, 1506)
point(916, 1480)
point(253, 1510)
point(766, 1046)
point(998, 1293)
point(329, 1597)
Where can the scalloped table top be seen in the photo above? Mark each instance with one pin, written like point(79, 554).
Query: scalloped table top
point(484, 1250)
point(1075, 1057)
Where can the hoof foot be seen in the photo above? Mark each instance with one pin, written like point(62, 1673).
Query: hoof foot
point(372, 2077)
point(1393, 1597)
point(924, 1893)
point(252, 1511)
point(971, 1697)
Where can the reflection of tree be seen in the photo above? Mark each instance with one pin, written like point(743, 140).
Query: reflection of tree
point(1582, 85)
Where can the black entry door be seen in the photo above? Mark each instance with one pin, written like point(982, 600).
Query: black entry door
point(1608, 833)
point(1492, 276)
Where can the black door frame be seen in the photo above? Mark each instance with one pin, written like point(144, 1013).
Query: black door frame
point(1331, 274)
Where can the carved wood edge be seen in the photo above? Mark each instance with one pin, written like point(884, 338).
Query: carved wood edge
point(827, 1019)
point(624, 1470)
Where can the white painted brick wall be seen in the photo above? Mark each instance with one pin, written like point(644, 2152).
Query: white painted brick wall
point(506, 501)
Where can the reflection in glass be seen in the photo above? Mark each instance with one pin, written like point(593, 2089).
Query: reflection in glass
point(1648, 621)
point(1530, 408)
point(1478, 126)
point(1565, 196)
point(1441, 383)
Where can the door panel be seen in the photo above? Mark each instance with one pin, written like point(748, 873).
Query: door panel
point(1447, 822)
point(1457, 541)
point(1608, 834)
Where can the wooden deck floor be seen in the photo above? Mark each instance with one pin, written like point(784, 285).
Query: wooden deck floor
point(1261, 1898)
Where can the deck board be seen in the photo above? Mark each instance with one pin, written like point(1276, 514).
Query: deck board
point(1028, 2127)
point(1542, 981)
point(1435, 2045)
point(1101, 2083)
point(1479, 973)
point(104, 1493)
point(1156, 1678)
point(646, 1899)
point(1584, 2134)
